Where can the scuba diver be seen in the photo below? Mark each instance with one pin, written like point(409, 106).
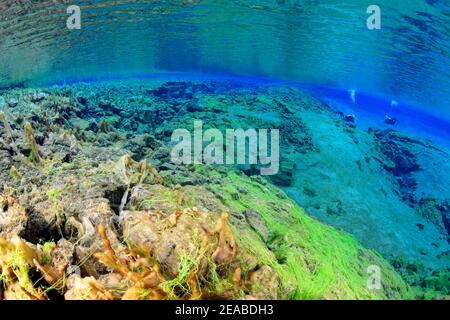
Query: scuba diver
point(390, 120)
point(350, 118)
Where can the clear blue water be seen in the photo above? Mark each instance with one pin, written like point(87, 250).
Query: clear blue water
point(318, 42)
point(323, 46)
point(370, 112)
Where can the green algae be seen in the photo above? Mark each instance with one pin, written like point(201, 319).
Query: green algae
point(30, 141)
point(56, 207)
point(15, 174)
point(426, 286)
point(313, 260)
point(16, 265)
point(179, 285)
point(319, 261)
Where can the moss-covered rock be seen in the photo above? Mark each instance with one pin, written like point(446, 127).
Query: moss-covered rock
point(316, 260)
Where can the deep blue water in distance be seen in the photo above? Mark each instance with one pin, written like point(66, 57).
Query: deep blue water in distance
point(369, 110)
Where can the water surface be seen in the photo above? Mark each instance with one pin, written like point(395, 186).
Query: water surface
point(322, 42)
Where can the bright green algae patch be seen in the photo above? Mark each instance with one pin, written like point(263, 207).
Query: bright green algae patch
point(319, 261)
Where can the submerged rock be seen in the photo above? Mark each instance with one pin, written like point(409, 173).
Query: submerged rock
point(13, 102)
point(92, 211)
point(13, 218)
point(257, 223)
point(395, 149)
point(285, 175)
point(437, 211)
point(179, 90)
point(38, 96)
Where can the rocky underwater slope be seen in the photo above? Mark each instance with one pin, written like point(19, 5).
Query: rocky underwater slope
point(92, 207)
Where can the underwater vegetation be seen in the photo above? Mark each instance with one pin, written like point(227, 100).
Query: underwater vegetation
point(91, 206)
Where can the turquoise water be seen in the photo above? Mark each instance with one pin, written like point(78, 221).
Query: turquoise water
point(138, 70)
point(314, 42)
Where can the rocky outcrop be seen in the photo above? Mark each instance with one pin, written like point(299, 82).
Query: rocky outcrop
point(103, 207)
point(395, 147)
point(437, 211)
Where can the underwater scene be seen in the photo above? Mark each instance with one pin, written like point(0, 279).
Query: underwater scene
point(230, 150)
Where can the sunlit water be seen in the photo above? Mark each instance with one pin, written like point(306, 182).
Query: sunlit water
point(323, 42)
